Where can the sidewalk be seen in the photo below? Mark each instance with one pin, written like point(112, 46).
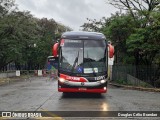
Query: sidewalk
point(136, 88)
point(9, 80)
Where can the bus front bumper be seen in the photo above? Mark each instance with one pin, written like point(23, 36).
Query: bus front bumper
point(86, 90)
point(88, 87)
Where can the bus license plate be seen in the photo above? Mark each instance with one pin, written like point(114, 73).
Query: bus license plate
point(82, 88)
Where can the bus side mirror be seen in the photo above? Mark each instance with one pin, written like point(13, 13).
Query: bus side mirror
point(111, 51)
point(55, 50)
point(53, 61)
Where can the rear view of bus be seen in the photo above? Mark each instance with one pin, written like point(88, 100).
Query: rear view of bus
point(82, 62)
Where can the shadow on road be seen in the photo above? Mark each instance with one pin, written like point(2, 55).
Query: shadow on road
point(83, 95)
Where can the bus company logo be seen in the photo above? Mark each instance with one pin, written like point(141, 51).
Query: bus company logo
point(72, 78)
point(6, 114)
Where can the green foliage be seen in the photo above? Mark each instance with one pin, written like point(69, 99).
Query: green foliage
point(157, 83)
point(135, 40)
point(121, 81)
point(134, 33)
point(24, 39)
point(146, 85)
point(128, 59)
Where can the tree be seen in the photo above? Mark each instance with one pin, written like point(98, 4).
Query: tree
point(93, 25)
point(134, 31)
point(24, 39)
point(17, 34)
point(133, 6)
point(117, 29)
point(144, 41)
point(6, 6)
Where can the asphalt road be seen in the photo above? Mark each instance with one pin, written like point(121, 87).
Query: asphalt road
point(41, 95)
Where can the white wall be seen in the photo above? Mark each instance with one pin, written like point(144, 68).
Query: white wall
point(5, 75)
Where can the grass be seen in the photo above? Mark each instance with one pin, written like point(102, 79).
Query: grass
point(146, 85)
point(121, 81)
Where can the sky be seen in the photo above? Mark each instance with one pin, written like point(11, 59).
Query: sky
point(72, 13)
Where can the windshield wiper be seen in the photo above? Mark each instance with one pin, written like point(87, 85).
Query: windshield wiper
point(74, 64)
point(90, 64)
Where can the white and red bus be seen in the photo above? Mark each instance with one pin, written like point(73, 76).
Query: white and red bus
point(82, 59)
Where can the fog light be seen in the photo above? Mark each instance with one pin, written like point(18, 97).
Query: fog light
point(103, 81)
point(62, 80)
point(105, 88)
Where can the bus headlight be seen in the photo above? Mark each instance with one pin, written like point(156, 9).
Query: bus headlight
point(62, 80)
point(103, 81)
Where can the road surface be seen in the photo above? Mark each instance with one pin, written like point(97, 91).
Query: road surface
point(41, 95)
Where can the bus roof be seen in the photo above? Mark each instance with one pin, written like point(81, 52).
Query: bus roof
point(81, 35)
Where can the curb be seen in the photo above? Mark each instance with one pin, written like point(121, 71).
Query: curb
point(136, 88)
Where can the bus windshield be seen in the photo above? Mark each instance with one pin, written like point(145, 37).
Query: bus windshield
point(83, 56)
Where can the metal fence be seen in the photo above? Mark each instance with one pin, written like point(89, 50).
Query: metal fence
point(11, 67)
point(135, 75)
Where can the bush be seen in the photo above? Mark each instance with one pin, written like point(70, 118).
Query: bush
point(157, 83)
